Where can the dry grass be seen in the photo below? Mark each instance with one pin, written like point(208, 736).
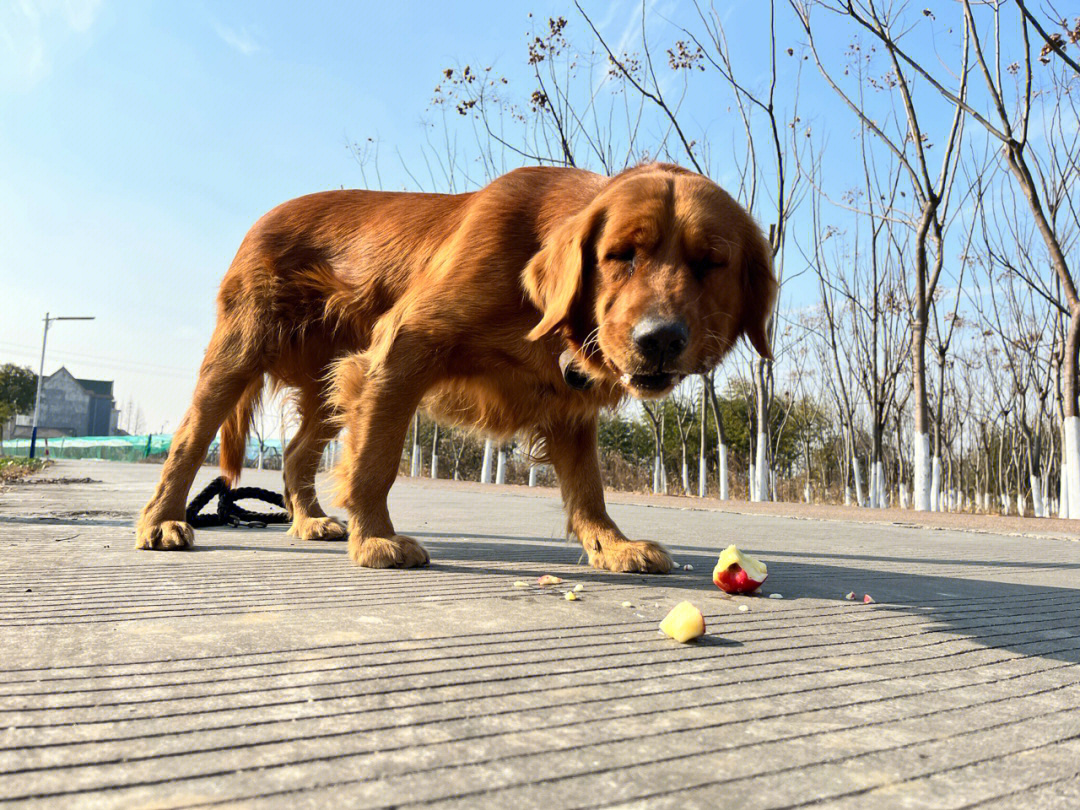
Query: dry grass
point(12, 469)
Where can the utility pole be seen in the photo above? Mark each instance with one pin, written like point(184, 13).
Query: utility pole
point(41, 372)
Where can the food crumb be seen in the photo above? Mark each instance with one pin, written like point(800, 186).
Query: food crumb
point(548, 579)
point(776, 596)
point(867, 599)
point(688, 567)
point(850, 596)
point(579, 588)
point(743, 608)
point(521, 584)
point(627, 604)
point(571, 596)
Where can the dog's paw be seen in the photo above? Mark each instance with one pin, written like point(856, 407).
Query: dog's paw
point(398, 551)
point(168, 535)
point(630, 556)
point(318, 528)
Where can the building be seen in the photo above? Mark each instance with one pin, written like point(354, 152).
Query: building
point(72, 407)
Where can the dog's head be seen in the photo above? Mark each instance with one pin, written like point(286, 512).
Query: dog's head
point(654, 280)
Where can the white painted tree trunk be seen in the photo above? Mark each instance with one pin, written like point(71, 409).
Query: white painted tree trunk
point(260, 457)
point(500, 467)
point(883, 495)
point(701, 481)
point(414, 470)
point(1071, 429)
point(656, 475)
point(921, 466)
point(723, 473)
point(1005, 504)
point(761, 467)
point(806, 493)
point(847, 494)
point(1063, 482)
point(434, 466)
point(753, 482)
point(859, 495)
point(935, 484)
point(685, 477)
point(1038, 508)
point(904, 501)
point(532, 475)
point(1021, 504)
point(485, 465)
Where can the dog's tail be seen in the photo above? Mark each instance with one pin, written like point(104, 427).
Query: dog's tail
point(234, 432)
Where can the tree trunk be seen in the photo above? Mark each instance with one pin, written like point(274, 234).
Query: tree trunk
point(414, 469)
point(859, 499)
point(761, 460)
point(701, 450)
point(435, 454)
point(485, 466)
point(721, 444)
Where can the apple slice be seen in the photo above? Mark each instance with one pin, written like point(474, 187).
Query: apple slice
point(683, 623)
point(736, 572)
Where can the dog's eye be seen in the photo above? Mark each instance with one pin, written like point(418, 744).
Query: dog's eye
point(702, 267)
point(627, 256)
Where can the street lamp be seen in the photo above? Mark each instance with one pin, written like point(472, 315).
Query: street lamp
point(41, 372)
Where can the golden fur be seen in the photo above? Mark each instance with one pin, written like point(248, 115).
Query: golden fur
point(372, 304)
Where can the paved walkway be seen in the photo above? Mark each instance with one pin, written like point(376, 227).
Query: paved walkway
point(261, 671)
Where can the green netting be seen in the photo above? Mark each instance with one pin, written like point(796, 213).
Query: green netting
point(111, 448)
point(118, 448)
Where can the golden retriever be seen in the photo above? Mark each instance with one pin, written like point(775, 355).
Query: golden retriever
point(521, 308)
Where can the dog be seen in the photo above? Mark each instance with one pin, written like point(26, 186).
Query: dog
point(522, 308)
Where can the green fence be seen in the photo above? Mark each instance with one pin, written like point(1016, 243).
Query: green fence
point(111, 448)
point(122, 448)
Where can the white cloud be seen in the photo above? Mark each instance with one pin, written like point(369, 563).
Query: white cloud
point(241, 40)
point(32, 31)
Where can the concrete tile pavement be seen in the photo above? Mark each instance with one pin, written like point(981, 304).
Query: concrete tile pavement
point(258, 670)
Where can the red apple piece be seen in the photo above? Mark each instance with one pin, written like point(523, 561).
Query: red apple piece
point(736, 572)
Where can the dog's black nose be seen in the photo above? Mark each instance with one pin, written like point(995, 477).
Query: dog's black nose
point(660, 340)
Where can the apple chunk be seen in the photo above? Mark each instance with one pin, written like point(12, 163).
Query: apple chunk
point(736, 572)
point(683, 623)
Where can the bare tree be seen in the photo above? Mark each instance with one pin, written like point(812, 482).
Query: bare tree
point(910, 144)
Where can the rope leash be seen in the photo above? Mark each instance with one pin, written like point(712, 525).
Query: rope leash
point(229, 513)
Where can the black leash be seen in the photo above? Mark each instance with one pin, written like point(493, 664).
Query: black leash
point(229, 513)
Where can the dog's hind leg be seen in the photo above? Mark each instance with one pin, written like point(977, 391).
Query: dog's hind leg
point(227, 370)
point(317, 427)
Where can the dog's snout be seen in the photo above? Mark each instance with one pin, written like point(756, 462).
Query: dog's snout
point(660, 340)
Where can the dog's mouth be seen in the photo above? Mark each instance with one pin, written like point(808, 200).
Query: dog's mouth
point(650, 384)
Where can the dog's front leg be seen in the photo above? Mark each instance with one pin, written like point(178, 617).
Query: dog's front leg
point(377, 402)
point(571, 447)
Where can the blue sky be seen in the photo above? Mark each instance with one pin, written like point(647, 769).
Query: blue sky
point(140, 140)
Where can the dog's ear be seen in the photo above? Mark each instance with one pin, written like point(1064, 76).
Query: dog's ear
point(759, 291)
point(556, 277)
